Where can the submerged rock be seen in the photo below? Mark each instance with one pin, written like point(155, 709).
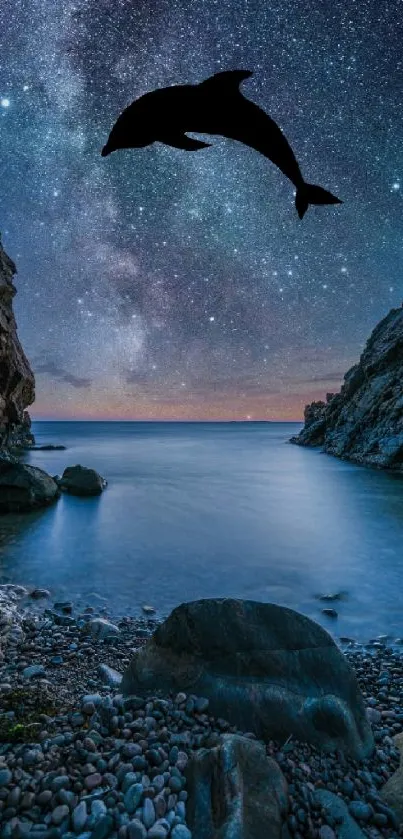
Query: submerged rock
point(79, 480)
point(235, 791)
point(24, 487)
point(265, 668)
point(48, 448)
point(364, 422)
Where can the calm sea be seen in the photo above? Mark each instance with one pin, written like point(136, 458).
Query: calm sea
point(210, 510)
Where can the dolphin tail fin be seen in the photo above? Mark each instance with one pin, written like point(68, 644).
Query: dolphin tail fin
point(310, 194)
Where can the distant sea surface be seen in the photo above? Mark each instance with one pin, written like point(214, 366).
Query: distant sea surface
point(197, 510)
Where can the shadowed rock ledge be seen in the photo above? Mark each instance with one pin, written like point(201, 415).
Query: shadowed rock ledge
point(364, 422)
point(17, 384)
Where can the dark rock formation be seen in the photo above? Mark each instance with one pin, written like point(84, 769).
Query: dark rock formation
point(235, 792)
point(17, 386)
point(364, 422)
point(264, 668)
point(25, 487)
point(79, 480)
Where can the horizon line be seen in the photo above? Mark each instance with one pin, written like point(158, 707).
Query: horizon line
point(243, 421)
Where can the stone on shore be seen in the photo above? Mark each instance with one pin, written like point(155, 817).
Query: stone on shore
point(265, 668)
point(24, 487)
point(235, 791)
point(337, 811)
point(100, 628)
point(79, 480)
point(392, 792)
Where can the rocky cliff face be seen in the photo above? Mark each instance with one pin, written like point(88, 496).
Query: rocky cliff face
point(17, 385)
point(364, 422)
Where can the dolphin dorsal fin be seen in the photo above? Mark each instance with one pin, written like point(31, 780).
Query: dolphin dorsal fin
point(228, 80)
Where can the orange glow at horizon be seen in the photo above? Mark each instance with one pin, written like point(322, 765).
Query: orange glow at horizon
point(281, 407)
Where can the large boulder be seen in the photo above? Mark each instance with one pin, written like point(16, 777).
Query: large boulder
point(265, 668)
point(235, 792)
point(24, 487)
point(79, 480)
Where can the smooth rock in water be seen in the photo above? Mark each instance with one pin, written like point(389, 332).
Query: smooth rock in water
point(13, 590)
point(263, 667)
point(235, 791)
point(149, 610)
point(329, 598)
point(37, 593)
point(79, 480)
point(347, 827)
point(109, 676)
point(392, 792)
point(47, 448)
point(331, 613)
point(24, 488)
point(100, 628)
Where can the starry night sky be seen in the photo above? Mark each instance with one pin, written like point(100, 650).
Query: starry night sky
point(163, 284)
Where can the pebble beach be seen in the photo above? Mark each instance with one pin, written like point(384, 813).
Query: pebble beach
point(77, 759)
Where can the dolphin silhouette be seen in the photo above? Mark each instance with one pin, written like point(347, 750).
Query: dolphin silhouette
point(215, 106)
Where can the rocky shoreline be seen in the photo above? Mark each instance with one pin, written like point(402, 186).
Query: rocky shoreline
point(79, 759)
point(364, 422)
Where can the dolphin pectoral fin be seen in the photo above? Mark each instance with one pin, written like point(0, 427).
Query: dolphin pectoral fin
point(182, 141)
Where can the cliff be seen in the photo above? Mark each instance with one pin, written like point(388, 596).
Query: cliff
point(17, 384)
point(364, 422)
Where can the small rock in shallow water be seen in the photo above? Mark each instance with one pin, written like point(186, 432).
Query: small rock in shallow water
point(37, 593)
point(330, 613)
point(149, 610)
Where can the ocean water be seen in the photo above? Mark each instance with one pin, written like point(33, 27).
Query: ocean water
point(213, 510)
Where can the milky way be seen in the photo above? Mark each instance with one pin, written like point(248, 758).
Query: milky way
point(160, 283)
